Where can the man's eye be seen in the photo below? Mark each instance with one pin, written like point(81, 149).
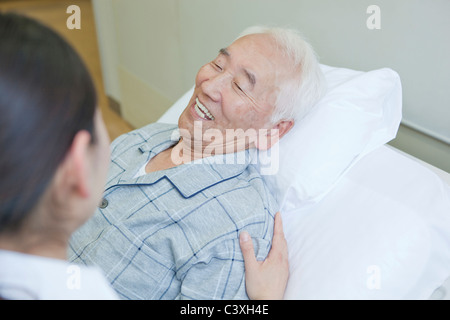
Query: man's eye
point(217, 66)
point(238, 87)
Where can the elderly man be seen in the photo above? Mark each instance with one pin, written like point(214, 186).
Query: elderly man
point(175, 204)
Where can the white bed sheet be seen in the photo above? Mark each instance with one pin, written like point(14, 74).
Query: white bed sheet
point(382, 232)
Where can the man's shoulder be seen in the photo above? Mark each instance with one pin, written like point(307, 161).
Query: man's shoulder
point(148, 131)
point(251, 180)
point(143, 135)
point(154, 128)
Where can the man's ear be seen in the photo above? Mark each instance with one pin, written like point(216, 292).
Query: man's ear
point(272, 136)
point(73, 173)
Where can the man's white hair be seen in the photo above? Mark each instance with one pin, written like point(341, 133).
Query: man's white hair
point(300, 94)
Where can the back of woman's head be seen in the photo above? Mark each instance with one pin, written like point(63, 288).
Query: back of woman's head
point(46, 97)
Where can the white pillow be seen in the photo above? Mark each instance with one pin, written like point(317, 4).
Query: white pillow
point(361, 111)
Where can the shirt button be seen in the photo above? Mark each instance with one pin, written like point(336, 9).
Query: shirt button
point(103, 204)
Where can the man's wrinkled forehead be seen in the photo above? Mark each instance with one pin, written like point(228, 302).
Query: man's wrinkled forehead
point(260, 55)
point(258, 59)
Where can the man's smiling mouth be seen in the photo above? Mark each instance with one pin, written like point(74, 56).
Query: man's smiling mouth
point(202, 111)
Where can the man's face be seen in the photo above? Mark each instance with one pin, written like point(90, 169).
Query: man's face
point(238, 89)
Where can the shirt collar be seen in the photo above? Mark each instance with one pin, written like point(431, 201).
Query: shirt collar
point(194, 177)
point(143, 152)
point(191, 178)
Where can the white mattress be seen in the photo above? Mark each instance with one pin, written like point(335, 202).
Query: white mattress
point(389, 213)
point(443, 292)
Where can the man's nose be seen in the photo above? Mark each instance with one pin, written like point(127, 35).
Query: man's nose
point(214, 86)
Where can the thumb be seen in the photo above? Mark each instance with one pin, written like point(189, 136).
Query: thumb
point(246, 243)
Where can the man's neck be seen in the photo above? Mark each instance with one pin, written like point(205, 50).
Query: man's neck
point(186, 151)
point(180, 153)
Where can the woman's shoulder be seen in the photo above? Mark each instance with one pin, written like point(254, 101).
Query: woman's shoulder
point(25, 277)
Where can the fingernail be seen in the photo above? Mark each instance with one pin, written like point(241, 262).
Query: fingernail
point(244, 236)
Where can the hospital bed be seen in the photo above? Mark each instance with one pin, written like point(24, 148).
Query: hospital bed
point(362, 219)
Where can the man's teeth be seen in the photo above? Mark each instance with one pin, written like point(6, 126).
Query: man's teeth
point(202, 111)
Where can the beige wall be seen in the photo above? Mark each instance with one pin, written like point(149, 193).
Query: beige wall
point(152, 50)
point(140, 50)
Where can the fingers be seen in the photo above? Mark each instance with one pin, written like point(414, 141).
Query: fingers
point(278, 232)
point(248, 252)
point(279, 243)
point(278, 253)
point(278, 226)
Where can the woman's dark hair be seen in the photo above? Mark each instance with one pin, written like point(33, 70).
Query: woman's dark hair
point(46, 97)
